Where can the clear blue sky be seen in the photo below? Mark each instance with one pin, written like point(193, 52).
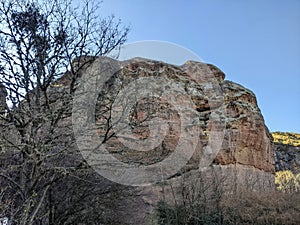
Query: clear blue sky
point(255, 42)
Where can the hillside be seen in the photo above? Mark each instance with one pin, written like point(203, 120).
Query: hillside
point(287, 151)
point(287, 138)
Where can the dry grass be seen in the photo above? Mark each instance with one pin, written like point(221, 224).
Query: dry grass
point(247, 208)
point(274, 208)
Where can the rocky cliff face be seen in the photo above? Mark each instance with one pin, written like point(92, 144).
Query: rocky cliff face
point(163, 128)
point(224, 134)
point(247, 140)
point(222, 109)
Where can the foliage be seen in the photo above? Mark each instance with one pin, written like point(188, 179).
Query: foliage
point(245, 208)
point(202, 201)
point(286, 181)
point(286, 138)
point(193, 203)
point(261, 208)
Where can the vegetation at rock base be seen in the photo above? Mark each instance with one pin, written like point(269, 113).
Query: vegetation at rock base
point(244, 207)
point(277, 207)
point(286, 138)
point(247, 209)
point(287, 181)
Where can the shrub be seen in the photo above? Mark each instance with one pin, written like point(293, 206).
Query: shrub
point(286, 181)
point(243, 208)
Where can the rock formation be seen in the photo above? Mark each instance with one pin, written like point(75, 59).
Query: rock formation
point(206, 126)
point(226, 116)
point(246, 140)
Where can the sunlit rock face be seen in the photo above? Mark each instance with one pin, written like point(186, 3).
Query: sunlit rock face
point(244, 139)
point(247, 140)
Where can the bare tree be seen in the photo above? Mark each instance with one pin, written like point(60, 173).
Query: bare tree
point(39, 41)
point(195, 200)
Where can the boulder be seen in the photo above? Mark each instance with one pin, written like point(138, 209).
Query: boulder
point(225, 114)
point(216, 123)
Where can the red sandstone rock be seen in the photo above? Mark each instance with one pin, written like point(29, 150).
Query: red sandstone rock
point(227, 118)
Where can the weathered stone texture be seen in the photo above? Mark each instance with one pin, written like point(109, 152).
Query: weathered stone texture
point(246, 155)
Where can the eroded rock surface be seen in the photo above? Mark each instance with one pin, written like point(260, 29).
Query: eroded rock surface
point(232, 139)
point(245, 140)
